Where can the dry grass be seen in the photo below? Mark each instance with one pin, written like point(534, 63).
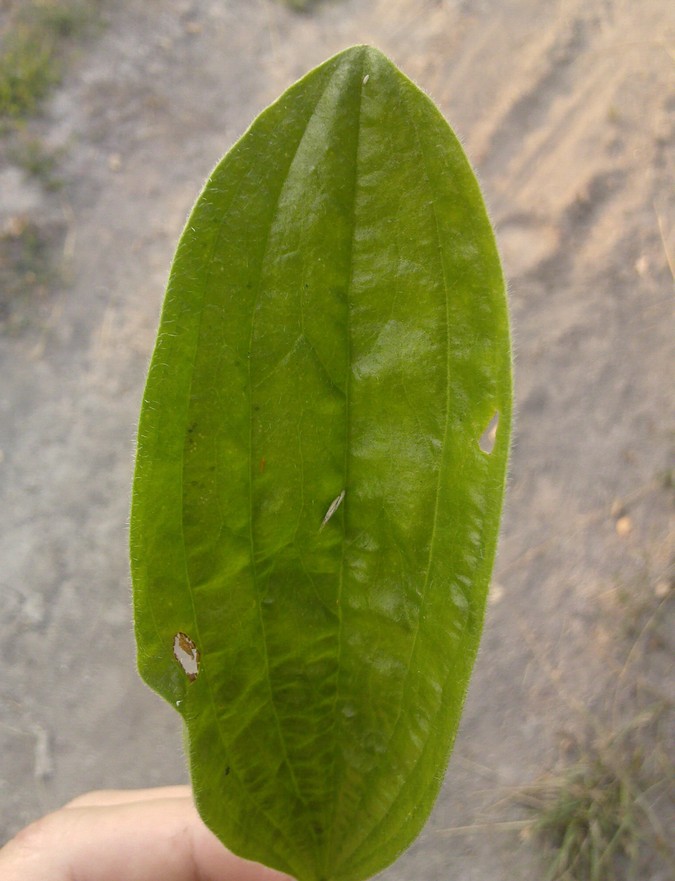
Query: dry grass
point(29, 271)
point(597, 816)
point(30, 154)
point(301, 5)
point(603, 816)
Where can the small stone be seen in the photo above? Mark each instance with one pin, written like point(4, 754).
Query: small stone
point(496, 594)
point(617, 510)
point(33, 610)
point(661, 589)
point(44, 763)
point(623, 526)
point(642, 265)
point(15, 226)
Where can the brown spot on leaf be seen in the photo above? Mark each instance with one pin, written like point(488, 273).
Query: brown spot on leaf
point(187, 655)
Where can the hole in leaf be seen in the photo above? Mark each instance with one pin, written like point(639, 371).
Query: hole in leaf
point(187, 655)
point(489, 436)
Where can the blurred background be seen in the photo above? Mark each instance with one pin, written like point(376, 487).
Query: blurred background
point(111, 116)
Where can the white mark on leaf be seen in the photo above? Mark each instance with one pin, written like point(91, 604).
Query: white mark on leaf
point(366, 78)
point(332, 508)
point(489, 436)
point(187, 655)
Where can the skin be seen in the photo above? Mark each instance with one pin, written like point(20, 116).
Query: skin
point(134, 835)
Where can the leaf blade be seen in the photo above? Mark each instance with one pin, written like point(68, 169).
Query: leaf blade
point(309, 618)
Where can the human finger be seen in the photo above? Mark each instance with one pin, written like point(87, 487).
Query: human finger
point(138, 841)
point(107, 797)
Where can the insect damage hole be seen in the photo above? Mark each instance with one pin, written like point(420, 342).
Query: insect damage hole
point(187, 655)
point(489, 436)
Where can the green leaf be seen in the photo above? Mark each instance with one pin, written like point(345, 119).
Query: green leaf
point(314, 521)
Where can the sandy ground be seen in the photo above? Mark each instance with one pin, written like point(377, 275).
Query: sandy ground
point(566, 110)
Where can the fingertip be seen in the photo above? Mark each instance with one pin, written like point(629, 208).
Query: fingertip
point(99, 798)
